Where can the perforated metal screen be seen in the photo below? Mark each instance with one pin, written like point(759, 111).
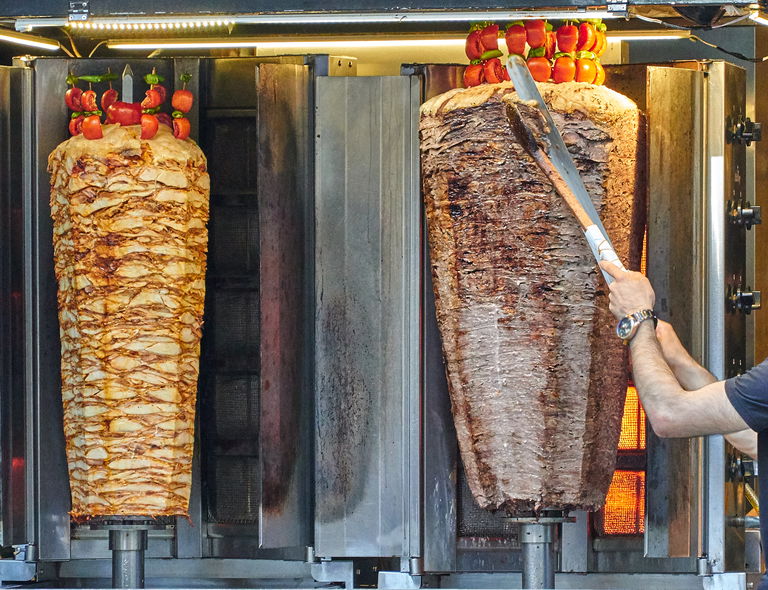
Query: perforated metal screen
point(230, 383)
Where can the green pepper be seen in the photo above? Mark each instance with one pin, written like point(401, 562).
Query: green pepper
point(95, 79)
point(490, 54)
point(177, 114)
point(153, 78)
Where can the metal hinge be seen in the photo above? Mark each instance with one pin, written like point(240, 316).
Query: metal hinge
point(745, 301)
point(618, 6)
point(79, 11)
point(744, 214)
point(744, 131)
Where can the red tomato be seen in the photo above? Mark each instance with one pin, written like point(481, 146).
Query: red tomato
point(88, 100)
point(567, 37)
point(149, 126)
point(76, 125)
point(539, 68)
point(600, 78)
point(564, 70)
point(474, 45)
point(551, 44)
point(493, 71)
point(181, 128)
point(515, 38)
point(125, 113)
point(587, 37)
point(108, 98)
point(473, 75)
point(72, 98)
point(489, 37)
point(536, 33)
point(151, 100)
point(161, 89)
point(164, 119)
point(182, 100)
point(92, 127)
point(586, 70)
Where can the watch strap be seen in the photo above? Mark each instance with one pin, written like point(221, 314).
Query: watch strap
point(638, 318)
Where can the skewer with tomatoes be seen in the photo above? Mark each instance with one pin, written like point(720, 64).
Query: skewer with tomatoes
point(482, 49)
point(86, 115)
point(566, 54)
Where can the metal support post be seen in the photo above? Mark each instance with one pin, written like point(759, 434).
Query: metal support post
point(538, 555)
point(128, 547)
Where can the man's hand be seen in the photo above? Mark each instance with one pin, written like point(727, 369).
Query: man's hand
point(630, 291)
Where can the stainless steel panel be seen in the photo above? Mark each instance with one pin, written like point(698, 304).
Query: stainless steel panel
point(439, 462)
point(193, 569)
point(367, 317)
point(284, 200)
point(726, 329)
point(257, 393)
point(617, 581)
point(13, 452)
point(675, 111)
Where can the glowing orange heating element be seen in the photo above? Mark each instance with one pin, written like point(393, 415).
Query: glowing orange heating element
point(632, 436)
point(624, 512)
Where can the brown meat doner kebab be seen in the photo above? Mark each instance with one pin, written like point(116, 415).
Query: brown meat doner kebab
point(130, 244)
point(536, 374)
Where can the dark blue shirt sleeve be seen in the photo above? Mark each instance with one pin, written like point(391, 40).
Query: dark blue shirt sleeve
point(748, 393)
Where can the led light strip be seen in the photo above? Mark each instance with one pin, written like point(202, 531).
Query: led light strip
point(170, 22)
point(29, 40)
point(149, 44)
point(647, 35)
point(148, 25)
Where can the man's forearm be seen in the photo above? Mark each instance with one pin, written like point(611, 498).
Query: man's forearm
point(672, 410)
point(691, 376)
point(653, 377)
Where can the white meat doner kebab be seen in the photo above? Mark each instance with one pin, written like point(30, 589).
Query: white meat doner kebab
point(130, 244)
point(536, 375)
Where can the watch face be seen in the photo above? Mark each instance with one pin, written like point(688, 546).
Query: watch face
point(624, 329)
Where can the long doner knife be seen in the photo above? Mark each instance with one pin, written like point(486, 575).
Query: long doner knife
point(556, 162)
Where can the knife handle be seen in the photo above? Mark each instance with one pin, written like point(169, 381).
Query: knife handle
point(602, 249)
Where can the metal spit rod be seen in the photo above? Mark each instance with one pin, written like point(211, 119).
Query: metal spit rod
point(537, 537)
point(128, 541)
point(128, 547)
point(538, 555)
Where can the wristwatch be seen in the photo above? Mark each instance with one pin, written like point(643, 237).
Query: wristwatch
point(627, 325)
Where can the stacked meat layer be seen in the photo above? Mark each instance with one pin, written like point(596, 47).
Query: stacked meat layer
point(130, 243)
point(536, 374)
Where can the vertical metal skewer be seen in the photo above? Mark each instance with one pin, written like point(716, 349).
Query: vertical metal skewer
point(128, 547)
point(537, 537)
point(127, 84)
point(128, 541)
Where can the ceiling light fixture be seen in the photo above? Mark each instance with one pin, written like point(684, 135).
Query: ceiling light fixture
point(324, 18)
point(648, 35)
point(29, 40)
point(152, 44)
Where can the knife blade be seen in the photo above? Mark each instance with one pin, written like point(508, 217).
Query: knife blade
point(556, 162)
point(127, 84)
